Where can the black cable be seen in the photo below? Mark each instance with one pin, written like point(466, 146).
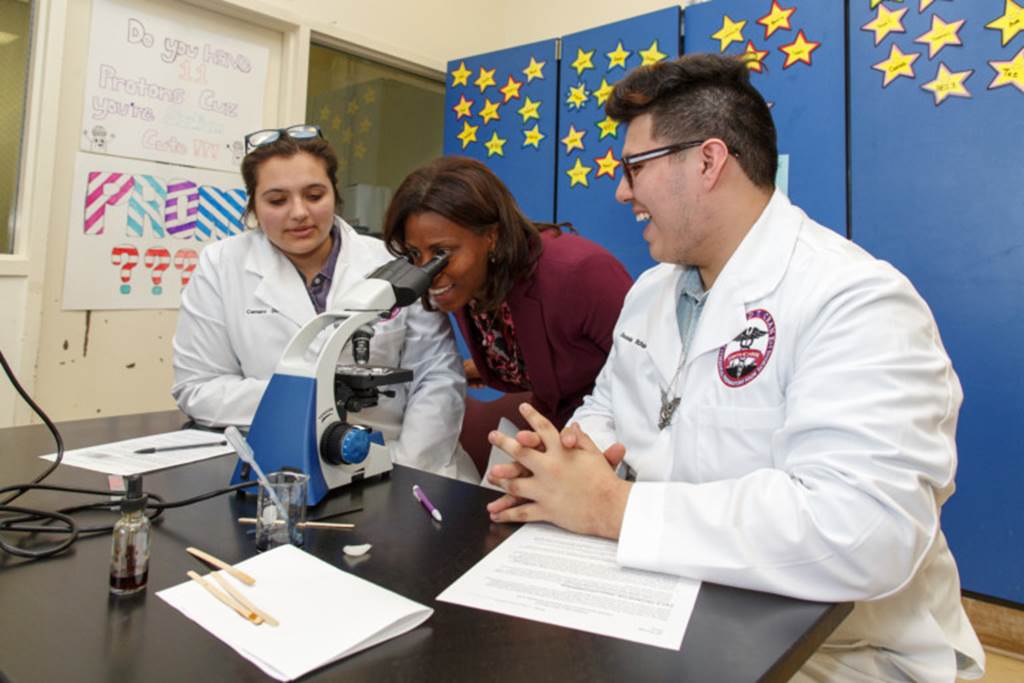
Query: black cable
point(32, 521)
point(38, 411)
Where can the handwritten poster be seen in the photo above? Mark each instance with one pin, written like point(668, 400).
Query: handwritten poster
point(162, 90)
point(136, 230)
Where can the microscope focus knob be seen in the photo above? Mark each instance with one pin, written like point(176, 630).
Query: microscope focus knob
point(345, 444)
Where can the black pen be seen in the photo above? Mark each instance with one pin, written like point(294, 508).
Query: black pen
point(160, 449)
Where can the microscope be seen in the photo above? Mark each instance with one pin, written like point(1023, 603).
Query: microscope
point(303, 420)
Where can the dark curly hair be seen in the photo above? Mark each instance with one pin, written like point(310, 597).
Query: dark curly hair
point(701, 96)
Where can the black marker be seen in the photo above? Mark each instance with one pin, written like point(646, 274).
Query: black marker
point(161, 449)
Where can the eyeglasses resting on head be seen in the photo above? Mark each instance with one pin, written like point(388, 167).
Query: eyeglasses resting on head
point(629, 163)
point(302, 131)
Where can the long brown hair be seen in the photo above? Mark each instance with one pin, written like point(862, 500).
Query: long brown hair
point(469, 194)
point(287, 146)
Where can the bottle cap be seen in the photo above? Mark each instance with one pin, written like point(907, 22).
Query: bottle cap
point(134, 499)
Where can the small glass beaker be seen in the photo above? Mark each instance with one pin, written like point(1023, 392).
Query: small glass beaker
point(281, 525)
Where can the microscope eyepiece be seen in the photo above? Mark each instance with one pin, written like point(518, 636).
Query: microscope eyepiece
point(436, 265)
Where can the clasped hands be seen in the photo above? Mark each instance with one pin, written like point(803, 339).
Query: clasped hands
point(561, 478)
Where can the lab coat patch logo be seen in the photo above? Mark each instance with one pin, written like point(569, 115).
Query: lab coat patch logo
point(743, 359)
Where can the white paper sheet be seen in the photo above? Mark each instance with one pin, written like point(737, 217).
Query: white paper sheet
point(498, 456)
point(120, 457)
point(325, 614)
point(545, 574)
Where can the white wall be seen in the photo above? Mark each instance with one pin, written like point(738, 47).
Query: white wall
point(85, 364)
point(527, 21)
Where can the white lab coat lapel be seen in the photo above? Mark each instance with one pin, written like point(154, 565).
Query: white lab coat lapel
point(280, 285)
point(662, 333)
point(352, 264)
point(755, 269)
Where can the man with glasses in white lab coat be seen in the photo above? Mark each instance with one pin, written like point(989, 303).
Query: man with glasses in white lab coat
point(780, 400)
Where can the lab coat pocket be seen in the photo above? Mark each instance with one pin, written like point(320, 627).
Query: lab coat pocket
point(732, 442)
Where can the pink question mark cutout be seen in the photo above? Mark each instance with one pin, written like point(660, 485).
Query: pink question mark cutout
point(186, 261)
point(127, 257)
point(157, 259)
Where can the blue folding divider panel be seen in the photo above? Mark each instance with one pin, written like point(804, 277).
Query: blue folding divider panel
point(500, 108)
point(937, 126)
point(796, 50)
point(589, 143)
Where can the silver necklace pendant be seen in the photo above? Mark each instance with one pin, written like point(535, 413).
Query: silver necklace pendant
point(668, 408)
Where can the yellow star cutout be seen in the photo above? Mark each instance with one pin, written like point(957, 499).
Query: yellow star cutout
point(876, 3)
point(940, 35)
point(923, 5)
point(336, 122)
point(534, 70)
point(799, 50)
point(578, 174)
point(651, 55)
point(353, 107)
point(574, 140)
point(777, 18)
point(603, 92)
point(325, 113)
point(370, 96)
point(495, 145)
point(1010, 23)
point(731, 32)
point(359, 151)
point(461, 75)
point(948, 84)
point(529, 110)
point(485, 79)
point(346, 135)
point(463, 108)
point(578, 96)
point(582, 61)
point(1009, 73)
point(533, 136)
point(618, 57)
point(606, 165)
point(896, 65)
point(511, 88)
point(468, 134)
point(343, 163)
point(754, 58)
point(608, 126)
point(489, 111)
point(364, 125)
point(885, 22)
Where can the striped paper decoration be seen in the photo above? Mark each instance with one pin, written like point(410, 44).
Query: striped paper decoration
point(146, 206)
point(181, 208)
point(104, 189)
point(220, 212)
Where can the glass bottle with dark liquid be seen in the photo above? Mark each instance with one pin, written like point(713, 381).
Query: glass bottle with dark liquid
point(129, 557)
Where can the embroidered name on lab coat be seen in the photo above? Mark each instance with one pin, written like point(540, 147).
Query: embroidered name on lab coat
point(642, 344)
point(259, 311)
point(742, 359)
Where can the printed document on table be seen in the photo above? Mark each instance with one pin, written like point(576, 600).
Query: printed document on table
point(119, 457)
point(557, 577)
point(323, 613)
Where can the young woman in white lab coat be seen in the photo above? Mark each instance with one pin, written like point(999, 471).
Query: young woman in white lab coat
point(252, 292)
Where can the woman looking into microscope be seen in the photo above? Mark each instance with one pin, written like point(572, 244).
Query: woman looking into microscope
point(536, 305)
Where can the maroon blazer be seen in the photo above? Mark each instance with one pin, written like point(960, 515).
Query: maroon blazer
point(564, 315)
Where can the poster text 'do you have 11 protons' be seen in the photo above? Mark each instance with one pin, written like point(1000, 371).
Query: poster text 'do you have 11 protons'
point(136, 229)
point(162, 89)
